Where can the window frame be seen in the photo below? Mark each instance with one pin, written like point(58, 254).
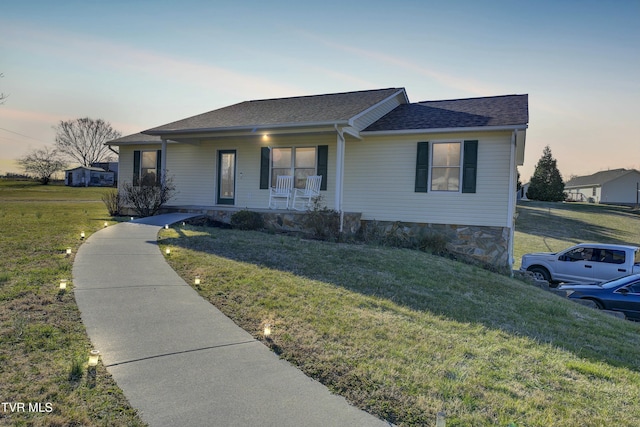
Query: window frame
point(432, 145)
point(293, 167)
point(138, 180)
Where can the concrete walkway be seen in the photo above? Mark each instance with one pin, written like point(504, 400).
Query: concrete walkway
point(178, 359)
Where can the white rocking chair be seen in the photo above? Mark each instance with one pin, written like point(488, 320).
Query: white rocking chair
point(305, 196)
point(281, 192)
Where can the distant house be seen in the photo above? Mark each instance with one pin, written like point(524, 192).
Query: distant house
point(84, 176)
point(445, 167)
point(613, 187)
point(109, 167)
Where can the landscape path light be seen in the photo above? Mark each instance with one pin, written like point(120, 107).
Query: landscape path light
point(106, 224)
point(196, 281)
point(267, 331)
point(94, 356)
point(68, 251)
point(63, 284)
point(166, 226)
point(82, 235)
point(167, 251)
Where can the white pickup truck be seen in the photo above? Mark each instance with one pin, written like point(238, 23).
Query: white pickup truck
point(584, 263)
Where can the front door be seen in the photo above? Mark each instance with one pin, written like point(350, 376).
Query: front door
point(226, 177)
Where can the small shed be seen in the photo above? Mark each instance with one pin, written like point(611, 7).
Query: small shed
point(84, 176)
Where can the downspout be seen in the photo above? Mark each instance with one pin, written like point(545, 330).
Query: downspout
point(511, 211)
point(339, 175)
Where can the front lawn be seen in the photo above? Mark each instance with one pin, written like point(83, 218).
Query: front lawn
point(42, 337)
point(404, 334)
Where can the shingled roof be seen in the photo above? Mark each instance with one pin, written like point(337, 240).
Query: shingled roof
point(296, 111)
point(597, 178)
point(136, 138)
point(507, 110)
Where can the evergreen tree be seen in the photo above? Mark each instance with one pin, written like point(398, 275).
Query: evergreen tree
point(546, 183)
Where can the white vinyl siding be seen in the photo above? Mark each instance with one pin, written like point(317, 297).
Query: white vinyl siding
point(193, 168)
point(380, 182)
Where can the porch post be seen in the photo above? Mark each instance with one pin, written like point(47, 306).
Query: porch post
point(163, 162)
point(339, 174)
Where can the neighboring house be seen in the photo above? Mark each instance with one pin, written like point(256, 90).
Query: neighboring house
point(445, 167)
point(522, 193)
point(84, 176)
point(108, 166)
point(613, 187)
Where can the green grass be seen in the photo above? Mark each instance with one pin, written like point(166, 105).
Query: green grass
point(43, 343)
point(400, 333)
point(404, 334)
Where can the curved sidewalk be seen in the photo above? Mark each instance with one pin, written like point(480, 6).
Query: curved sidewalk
point(177, 358)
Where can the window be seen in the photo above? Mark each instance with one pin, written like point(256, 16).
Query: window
point(610, 256)
point(298, 161)
point(446, 166)
point(146, 167)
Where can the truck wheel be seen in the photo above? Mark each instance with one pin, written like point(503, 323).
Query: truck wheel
point(540, 273)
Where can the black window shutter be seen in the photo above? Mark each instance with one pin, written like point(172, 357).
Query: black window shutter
point(136, 167)
point(264, 168)
point(470, 166)
point(323, 164)
point(158, 166)
point(422, 168)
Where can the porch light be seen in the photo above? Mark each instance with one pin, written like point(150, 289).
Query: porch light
point(82, 234)
point(267, 331)
point(167, 251)
point(441, 419)
point(265, 137)
point(196, 281)
point(68, 251)
point(63, 284)
point(94, 356)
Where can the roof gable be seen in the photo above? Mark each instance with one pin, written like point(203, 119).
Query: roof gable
point(507, 110)
point(296, 111)
point(598, 178)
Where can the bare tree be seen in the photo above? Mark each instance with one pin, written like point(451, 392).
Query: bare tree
point(2, 95)
point(42, 164)
point(83, 139)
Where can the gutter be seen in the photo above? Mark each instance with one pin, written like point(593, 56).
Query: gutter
point(443, 130)
point(112, 150)
point(251, 128)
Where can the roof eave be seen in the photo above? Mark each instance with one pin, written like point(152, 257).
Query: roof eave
point(242, 129)
point(445, 130)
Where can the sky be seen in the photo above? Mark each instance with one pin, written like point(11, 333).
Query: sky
point(138, 64)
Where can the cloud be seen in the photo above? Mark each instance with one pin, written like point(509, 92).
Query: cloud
point(118, 57)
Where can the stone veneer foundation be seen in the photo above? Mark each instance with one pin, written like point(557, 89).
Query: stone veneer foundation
point(488, 246)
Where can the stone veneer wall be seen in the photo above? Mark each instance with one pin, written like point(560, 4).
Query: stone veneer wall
point(488, 246)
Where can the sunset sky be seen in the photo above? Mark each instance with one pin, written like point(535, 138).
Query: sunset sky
point(139, 64)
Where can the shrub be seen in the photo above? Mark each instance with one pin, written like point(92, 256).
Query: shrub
point(322, 222)
point(113, 202)
point(247, 220)
point(146, 200)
